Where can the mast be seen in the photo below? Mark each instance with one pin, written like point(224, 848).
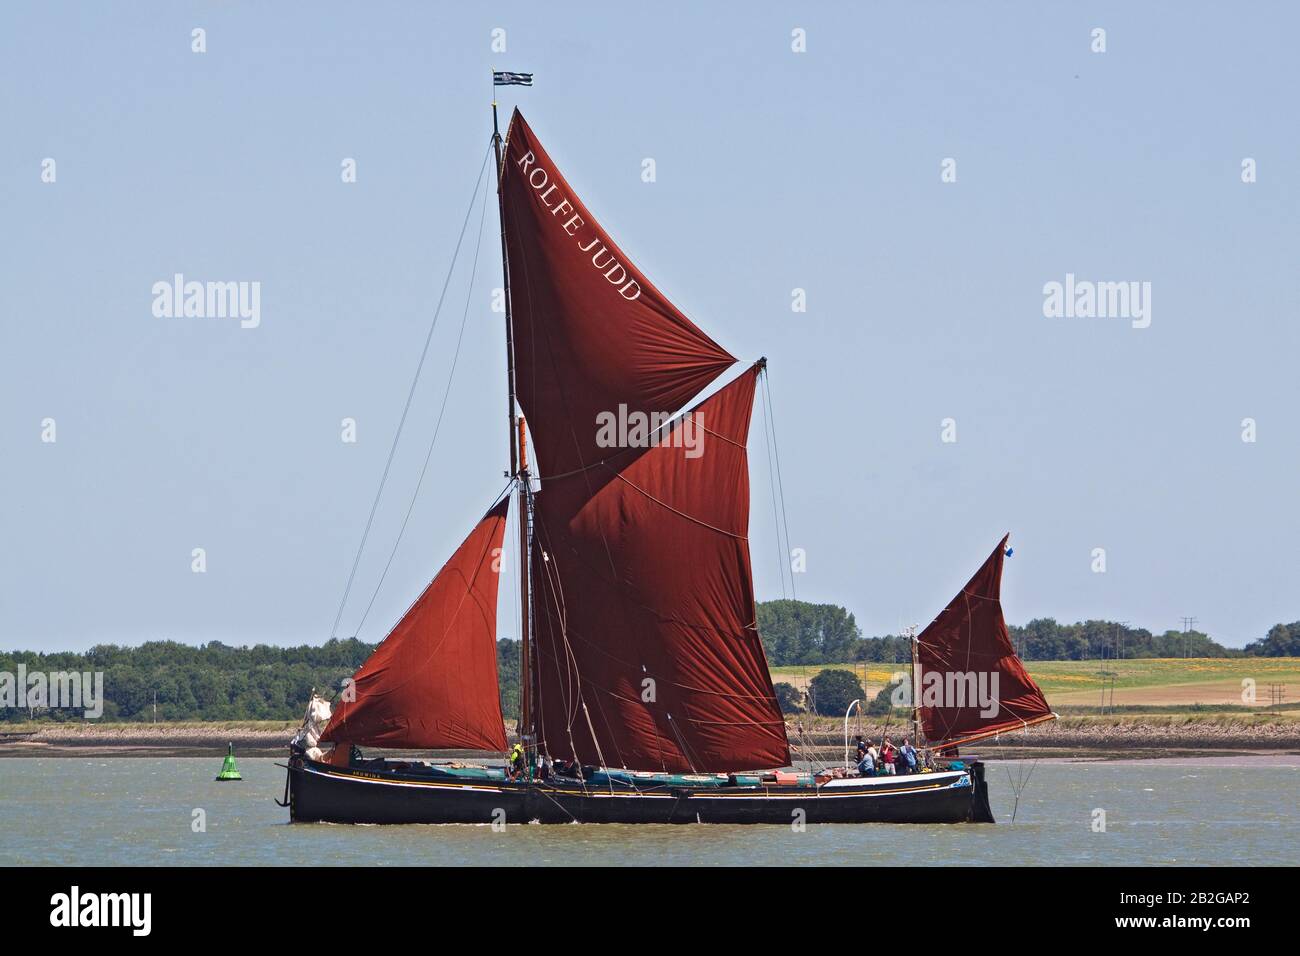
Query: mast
point(505, 278)
point(916, 689)
point(527, 730)
point(518, 465)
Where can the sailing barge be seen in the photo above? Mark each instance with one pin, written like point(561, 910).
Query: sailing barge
point(645, 690)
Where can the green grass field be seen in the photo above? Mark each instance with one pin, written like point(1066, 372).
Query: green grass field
point(1160, 682)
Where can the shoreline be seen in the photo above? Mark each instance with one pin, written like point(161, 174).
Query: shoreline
point(1083, 738)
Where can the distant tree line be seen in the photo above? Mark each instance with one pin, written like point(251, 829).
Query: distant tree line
point(796, 632)
point(213, 681)
point(216, 681)
point(1282, 640)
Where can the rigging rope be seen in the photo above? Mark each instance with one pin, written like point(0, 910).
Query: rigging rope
point(771, 484)
point(374, 507)
point(776, 451)
point(681, 742)
point(451, 376)
point(576, 699)
point(1020, 782)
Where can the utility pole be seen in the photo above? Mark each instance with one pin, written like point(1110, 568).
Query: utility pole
point(1107, 682)
point(1188, 624)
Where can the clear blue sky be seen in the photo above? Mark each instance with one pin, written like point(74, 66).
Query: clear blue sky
point(775, 170)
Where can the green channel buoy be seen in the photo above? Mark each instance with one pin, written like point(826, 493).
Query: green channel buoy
point(228, 769)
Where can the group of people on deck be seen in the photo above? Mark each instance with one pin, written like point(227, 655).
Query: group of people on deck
point(546, 768)
point(887, 759)
point(873, 761)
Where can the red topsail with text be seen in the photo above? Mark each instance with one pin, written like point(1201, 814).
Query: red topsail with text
point(591, 331)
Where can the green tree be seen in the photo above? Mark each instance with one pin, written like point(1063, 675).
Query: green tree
point(883, 702)
point(508, 677)
point(789, 698)
point(796, 632)
point(832, 690)
point(1283, 640)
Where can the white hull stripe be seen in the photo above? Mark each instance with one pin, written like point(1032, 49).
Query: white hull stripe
point(936, 782)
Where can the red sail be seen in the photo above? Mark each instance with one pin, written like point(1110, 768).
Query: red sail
point(648, 653)
point(591, 332)
point(432, 683)
point(967, 661)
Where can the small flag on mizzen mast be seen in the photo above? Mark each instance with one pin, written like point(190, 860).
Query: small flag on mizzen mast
point(512, 79)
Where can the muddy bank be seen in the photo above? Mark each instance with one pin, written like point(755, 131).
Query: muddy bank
point(150, 740)
point(1110, 738)
point(1086, 737)
point(143, 740)
point(1079, 734)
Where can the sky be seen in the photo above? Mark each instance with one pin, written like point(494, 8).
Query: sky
point(777, 169)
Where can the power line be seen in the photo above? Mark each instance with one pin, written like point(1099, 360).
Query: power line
point(1120, 628)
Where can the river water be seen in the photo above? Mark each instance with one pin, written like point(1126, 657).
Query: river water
point(121, 811)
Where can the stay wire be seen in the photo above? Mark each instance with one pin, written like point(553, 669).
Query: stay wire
point(451, 376)
point(410, 396)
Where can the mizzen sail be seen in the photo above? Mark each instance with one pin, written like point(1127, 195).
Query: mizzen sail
point(972, 685)
point(432, 683)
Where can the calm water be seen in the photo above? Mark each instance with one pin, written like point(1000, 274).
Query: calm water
point(119, 811)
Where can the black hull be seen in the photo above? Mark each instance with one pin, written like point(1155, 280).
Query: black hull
point(322, 793)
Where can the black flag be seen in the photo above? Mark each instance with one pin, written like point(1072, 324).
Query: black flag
point(512, 79)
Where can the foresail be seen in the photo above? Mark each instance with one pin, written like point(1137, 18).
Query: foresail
point(972, 684)
point(591, 332)
point(648, 652)
point(432, 683)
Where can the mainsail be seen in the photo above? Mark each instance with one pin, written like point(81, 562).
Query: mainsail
point(647, 653)
point(965, 659)
point(432, 683)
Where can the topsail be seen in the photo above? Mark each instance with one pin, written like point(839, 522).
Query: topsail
point(591, 331)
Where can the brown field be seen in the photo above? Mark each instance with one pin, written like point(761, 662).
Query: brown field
point(1165, 682)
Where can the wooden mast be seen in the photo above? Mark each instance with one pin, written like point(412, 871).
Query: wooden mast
point(518, 468)
point(916, 689)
